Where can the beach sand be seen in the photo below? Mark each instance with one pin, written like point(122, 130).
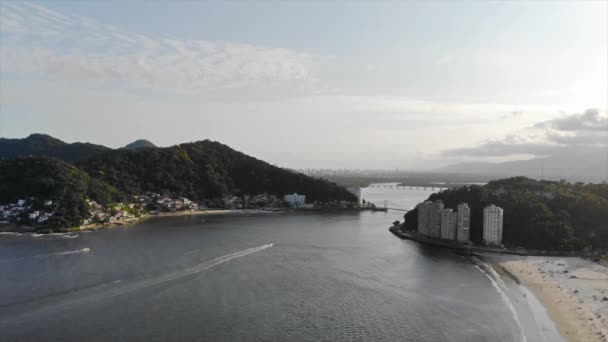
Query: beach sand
point(573, 290)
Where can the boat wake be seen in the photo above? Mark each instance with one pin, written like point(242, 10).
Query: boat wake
point(117, 288)
point(49, 255)
point(84, 250)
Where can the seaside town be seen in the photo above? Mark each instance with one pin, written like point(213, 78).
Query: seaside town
point(32, 213)
point(436, 221)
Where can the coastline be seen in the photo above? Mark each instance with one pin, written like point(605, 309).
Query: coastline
point(135, 220)
point(571, 289)
point(15, 229)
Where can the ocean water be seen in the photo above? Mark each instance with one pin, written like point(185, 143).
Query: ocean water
point(265, 277)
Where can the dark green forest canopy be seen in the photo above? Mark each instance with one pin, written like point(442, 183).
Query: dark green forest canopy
point(537, 214)
point(200, 170)
point(43, 145)
point(51, 179)
point(204, 169)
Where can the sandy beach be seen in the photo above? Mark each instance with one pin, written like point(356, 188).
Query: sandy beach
point(573, 290)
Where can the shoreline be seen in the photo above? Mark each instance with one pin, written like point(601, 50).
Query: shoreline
point(572, 290)
point(16, 229)
point(471, 249)
point(135, 220)
point(210, 212)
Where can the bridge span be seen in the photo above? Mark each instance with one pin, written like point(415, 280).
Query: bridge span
point(410, 187)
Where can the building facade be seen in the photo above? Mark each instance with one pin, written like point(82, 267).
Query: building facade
point(295, 199)
point(434, 219)
point(423, 217)
point(463, 225)
point(357, 192)
point(448, 224)
point(492, 225)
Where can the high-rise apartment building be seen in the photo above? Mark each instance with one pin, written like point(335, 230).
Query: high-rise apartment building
point(423, 217)
point(448, 224)
point(492, 225)
point(434, 219)
point(463, 225)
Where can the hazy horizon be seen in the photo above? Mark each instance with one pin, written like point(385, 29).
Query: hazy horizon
point(372, 86)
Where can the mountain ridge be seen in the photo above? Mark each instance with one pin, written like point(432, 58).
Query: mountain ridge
point(139, 143)
point(201, 171)
point(44, 145)
point(573, 164)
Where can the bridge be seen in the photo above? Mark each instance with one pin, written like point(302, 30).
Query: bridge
point(410, 187)
point(388, 205)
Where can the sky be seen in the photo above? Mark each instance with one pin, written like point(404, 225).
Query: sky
point(374, 85)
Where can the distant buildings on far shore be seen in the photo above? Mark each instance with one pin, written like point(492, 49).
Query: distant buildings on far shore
point(436, 221)
point(295, 200)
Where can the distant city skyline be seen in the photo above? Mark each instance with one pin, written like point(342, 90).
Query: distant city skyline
point(312, 85)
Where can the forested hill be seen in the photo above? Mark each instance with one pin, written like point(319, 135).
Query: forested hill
point(203, 169)
point(52, 179)
point(199, 170)
point(140, 143)
point(42, 145)
point(537, 214)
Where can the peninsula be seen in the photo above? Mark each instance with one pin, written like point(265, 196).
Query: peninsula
point(48, 184)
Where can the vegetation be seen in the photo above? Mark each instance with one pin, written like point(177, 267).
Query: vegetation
point(204, 170)
point(42, 145)
point(51, 179)
point(538, 214)
point(140, 143)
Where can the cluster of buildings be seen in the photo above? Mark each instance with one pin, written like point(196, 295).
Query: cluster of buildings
point(259, 201)
point(436, 221)
point(155, 202)
point(26, 211)
point(36, 212)
point(115, 213)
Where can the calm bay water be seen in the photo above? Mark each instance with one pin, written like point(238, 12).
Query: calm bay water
point(267, 277)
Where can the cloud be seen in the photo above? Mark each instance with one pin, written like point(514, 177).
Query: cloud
point(590, 120)
point(44, 43)
point(511, 145)
point(589, 129)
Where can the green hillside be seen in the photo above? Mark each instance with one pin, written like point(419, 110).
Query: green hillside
point(51, 179)
point(537, 214)
point(204, 169)
point(43, 145)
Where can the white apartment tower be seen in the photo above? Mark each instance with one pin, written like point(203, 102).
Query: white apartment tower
point(423, 217)
point(434, 219)
point(492, 225)
point(463, 225)
point(448, 224)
